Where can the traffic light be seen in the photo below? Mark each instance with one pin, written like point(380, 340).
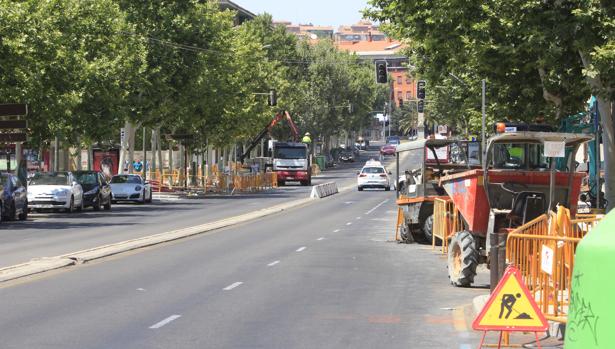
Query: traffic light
point(381, 72)
point(420, 106)
point(420, 89)
point(273, 98)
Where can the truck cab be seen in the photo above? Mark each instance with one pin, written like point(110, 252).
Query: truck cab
point(291, 162)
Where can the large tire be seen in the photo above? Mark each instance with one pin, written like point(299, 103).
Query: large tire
point(462, 259)
point(428, 230)
point(405, 234)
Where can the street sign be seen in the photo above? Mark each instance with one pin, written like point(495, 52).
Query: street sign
point(13, 109)
point(122, 136)
point(13, 137)
point(13, 124)
point(511, 307)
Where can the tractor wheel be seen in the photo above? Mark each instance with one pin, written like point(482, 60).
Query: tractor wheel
point(405, 234)
point(462, 259)
point(428, 231)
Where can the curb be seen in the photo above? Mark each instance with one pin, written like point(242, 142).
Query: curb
point(37, 266)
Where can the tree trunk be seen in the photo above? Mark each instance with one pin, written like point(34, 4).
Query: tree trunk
point(159, 149)
point(550, 97)
point(608, 143)
point(608, 134)
point(154, 151)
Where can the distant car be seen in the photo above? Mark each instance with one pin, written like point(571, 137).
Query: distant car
point(393, 140)
point(55, 190)
point(346, 156)
point(388, 149)
point(13, 198)
point(130, 188)
point(96, 190)
point(373, 175)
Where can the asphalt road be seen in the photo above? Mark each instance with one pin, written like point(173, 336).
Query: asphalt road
point(51, 234)
point(326, 275)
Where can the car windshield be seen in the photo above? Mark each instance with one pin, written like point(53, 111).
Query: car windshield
point(373, 170)
point(88, 178)
point(519, 156)
point(289, 153)
point(126, 179)
point(49, 179)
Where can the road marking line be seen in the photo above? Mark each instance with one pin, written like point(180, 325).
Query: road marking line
point(358, 217)
point(232, 286)
point(336, 231)
point(140, 289)
point(376, 207)
point(320, 239)
point(273, 263)
point(165, 321)
point(349, 223)
point(301, 248)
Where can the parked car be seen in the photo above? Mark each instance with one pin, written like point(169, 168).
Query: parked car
point(373, 175)
point(130, 188)
point(387, 149)
point(55, 190)
point(96, 190)
point(13, 198)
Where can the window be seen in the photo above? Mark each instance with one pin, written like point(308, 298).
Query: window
point(373, 170)
point(408, 80)
point(408, 95)
point(399, 80)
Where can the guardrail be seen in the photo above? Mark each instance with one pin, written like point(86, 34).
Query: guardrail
point(544, 252)
point(216, 183)
point(446, 222)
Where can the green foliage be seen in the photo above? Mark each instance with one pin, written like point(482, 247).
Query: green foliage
point(528, 51)
point(87, 67)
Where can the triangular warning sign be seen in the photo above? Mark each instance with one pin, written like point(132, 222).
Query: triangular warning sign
point(511, 307)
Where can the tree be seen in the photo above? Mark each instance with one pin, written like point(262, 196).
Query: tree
point(539, 57)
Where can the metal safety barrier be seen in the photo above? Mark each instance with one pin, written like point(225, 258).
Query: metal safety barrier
point(544, 252)
point(215, 183)
point(446, 222)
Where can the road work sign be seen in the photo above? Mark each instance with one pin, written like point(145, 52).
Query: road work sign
point(511, 307)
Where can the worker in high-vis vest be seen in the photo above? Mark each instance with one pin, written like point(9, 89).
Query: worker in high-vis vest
point(306, 138)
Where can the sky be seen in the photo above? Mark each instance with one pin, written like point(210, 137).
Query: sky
point(317, 12)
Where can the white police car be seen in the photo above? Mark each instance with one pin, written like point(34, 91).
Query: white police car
point(373, 175)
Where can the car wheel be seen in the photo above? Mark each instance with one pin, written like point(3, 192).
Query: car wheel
point(97, 204)
point(387, 188)
point(108, 205)
point(142, 201)
point(71, 207)
point(24, 213)
point(80, 208)
point(12, 212)
point(360, 188)
point(149, 200)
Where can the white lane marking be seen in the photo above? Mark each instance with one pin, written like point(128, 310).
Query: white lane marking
point(348, 202)
point(376, 207)
point(349, 223)
point(140, 289)
point(232, 286)
point(301, 248)
point(358, 217)
point(320, 239)
point(336, 231)
point(165, 321)
point(273, 263)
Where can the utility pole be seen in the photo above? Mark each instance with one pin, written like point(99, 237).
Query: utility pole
point(144, 157)
point(483, 142)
